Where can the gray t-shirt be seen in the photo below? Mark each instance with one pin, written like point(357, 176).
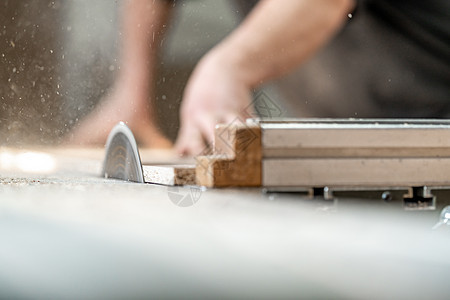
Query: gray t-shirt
point(391, 59)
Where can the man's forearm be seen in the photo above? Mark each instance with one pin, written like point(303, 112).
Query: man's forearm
point(279, 35)
point(143, 26)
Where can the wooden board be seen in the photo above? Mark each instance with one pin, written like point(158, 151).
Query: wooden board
point(170, 174)
point(319, 152)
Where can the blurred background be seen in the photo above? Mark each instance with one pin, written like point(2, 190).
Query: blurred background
point(59, 58)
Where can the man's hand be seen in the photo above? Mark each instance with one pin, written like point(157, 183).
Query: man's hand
point(127, 103)
point(214, 94)
point(275, 38)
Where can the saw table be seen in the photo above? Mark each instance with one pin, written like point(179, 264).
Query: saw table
point(314, 155)
point(65, 232)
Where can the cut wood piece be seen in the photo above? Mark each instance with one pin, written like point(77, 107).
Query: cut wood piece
point(236, 160)
point(170, 174)
point(351, 173)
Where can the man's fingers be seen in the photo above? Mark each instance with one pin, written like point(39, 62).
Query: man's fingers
point(206, 126)
point(190, 141)
point(197, 135)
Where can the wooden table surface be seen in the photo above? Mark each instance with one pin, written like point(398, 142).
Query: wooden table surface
point(65, 232)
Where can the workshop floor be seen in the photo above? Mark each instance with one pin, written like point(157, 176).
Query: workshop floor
point(65, 232)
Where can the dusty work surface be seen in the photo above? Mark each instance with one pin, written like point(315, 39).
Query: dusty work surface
point(65, 232)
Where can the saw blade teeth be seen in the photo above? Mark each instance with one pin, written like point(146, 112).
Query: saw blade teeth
point(122, 160)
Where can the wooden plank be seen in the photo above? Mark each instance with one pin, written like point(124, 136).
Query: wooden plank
point(309, 153)
point(356, 172)
point(170, 174)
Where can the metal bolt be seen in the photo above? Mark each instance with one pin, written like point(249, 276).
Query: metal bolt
point(386, 196)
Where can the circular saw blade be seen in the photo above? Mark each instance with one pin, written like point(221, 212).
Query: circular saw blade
point(122, 160)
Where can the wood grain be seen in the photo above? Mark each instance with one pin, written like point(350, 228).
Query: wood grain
point(236, 160)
